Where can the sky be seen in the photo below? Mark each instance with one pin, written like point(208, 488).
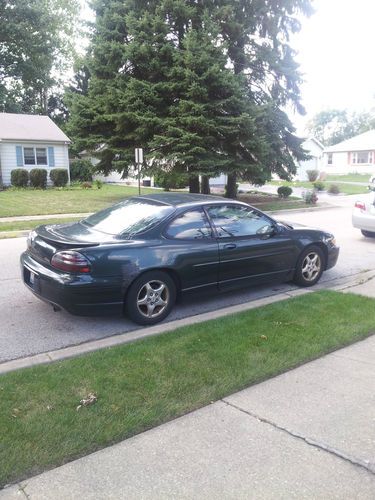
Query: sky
point(336, 49)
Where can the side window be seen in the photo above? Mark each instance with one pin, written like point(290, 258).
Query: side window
point(192, 225)
point(237, 220)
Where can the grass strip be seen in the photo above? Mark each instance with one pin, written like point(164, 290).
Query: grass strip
point(344, 188)
point(348, 177)
point(146, 383)
point(24, 225)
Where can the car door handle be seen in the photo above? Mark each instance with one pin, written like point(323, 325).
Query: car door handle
point(230, 246)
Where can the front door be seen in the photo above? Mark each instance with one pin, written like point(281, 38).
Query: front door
point(252, 249)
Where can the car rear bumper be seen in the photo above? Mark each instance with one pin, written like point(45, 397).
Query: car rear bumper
point(82, 295)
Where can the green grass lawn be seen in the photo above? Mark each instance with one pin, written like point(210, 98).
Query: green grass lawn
point(77, 200)
point(344, 188)
point(62, 201)
point(351, 177)
point(146, 383)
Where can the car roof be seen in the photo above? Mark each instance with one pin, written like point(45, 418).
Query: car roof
point(178, 199)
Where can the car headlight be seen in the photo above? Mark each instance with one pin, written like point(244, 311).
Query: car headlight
point(330, 240)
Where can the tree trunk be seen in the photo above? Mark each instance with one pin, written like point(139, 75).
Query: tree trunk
point(231, 190)
point(194, 184)
point(205, 185)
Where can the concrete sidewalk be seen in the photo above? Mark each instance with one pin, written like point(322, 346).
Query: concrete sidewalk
point(308, 433)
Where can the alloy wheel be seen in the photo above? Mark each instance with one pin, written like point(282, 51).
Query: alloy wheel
point(311, 266)
point(153, 298)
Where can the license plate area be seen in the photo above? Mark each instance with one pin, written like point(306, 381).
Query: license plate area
point(30, 277)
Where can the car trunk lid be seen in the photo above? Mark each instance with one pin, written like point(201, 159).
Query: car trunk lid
point(44, 241)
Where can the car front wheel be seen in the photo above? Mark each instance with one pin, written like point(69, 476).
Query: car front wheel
point(150, 298)
point(309, 267)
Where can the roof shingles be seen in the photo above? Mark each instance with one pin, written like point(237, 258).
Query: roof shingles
point(19, 127)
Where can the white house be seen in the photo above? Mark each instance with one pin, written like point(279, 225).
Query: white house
point(355, 155)
point(31, 141)
point(315, 150)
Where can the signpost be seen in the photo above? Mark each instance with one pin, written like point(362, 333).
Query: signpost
point(138, 162)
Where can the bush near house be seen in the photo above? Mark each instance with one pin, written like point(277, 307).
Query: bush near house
point(19, 177)
point(312, 175)
point(59, 177)
point(319, 185)
point(284, 191)
point(38, 178)
point(81, 171)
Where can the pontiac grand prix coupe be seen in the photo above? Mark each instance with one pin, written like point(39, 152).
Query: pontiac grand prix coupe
point(138, 256)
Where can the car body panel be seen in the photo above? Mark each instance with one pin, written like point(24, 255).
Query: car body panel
point(364, 218)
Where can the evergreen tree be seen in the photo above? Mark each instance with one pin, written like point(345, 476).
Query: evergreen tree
point(199, 85)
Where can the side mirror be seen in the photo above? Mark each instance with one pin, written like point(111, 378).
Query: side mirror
point(267, 230)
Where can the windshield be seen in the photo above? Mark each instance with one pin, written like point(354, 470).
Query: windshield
point(129, 217)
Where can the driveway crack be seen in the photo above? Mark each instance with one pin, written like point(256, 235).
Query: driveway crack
point(368, 466)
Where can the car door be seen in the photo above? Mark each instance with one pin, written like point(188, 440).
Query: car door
point(252, 249)
point(189, 238)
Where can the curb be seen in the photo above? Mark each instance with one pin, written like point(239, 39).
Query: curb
point(338, 284)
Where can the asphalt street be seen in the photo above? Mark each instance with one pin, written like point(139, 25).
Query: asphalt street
point(30, 326)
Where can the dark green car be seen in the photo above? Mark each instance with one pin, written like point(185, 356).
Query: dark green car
point(139, 255)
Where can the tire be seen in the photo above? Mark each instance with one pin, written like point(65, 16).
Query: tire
point(368, 234)
point(310, 266)
point(150, 298)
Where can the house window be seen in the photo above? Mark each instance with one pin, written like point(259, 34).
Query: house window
point(35, 156)
point(362, 157)
point(330, 158)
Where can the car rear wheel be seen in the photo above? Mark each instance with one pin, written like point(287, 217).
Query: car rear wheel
point(368, 234)
point(309, 267)
point(150, 298)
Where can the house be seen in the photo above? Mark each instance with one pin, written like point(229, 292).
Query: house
point(31, 141)
point(355, 155)
point(315, 150)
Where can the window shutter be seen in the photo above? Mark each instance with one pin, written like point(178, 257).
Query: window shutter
point(19, 156)
point(51, 156)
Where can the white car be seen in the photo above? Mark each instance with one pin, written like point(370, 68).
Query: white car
point(363, 216)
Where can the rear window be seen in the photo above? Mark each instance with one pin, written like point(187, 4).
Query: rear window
point(128, 218)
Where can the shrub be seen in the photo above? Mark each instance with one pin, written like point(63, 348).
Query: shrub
point(81, 170)
point(319, 186)
point(98, 184)
point(312, 175)
point(38, 178)
point(284, 191)
point(59, 177)
point(86, 185)
point(19, 177)
point(310, 197)
point(333, 189)
point(171, 180)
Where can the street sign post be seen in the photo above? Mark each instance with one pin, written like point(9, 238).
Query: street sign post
point(138, 162)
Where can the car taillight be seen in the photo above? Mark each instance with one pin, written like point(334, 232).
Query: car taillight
point(70, 261)
point(360, 205)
